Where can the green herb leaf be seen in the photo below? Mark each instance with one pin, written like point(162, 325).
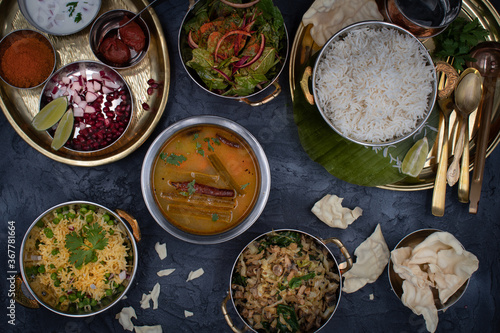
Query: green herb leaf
point(82, 253)
point(244, 186)
point(457, 40)
point(239, 279)
point(289, 316)
point(297, 281)
point(173, 158)
point(71, 7)
point(78, 17)
point(199, 149)
point(215, 217)
point(191, 189)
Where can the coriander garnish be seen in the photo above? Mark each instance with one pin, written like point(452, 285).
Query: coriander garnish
point(173, 158)
point(80, 251)
point(458, 39)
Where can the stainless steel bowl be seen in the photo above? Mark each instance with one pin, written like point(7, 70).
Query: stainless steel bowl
point(66, 12)
point(262, 192)
point(322, 244)
point(16, 35)
point(376, 25)
point(186, 55)
point(108, 21)
point(412, 240)
point(25, 257)
point(88, 68)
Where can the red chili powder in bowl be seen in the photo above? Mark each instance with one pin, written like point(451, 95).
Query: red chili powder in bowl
point(27, 62)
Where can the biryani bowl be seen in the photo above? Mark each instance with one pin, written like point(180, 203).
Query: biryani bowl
point(214, 78)
point(262, 273)
point(54, 275)
point(368, 90)
point(205, 179)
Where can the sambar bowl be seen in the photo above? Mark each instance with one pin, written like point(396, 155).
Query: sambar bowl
point(27, 59)
point(55, 265)
point(365, 91)
point(205, 179)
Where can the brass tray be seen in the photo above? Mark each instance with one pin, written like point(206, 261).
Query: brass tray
point(20, 106)
point(303, 48)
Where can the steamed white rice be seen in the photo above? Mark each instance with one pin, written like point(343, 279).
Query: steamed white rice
point(375, 84)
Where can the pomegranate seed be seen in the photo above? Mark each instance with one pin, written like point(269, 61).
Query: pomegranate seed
point(151, 81)
point(145, 106)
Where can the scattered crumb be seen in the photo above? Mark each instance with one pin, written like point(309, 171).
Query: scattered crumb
point(152, 296)
point(165, 272)
point(125, 318)
point(195, 274)
point(148, 329)
point(188, 313)
point(372, 297)
point(161, 249)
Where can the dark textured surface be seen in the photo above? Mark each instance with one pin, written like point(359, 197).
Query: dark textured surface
point(30, 183)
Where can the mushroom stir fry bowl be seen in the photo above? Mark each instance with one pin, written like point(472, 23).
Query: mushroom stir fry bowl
point(286, 281)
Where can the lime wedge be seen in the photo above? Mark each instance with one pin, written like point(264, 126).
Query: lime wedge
point(415, 158)
point(50, 114)
point(63, 130)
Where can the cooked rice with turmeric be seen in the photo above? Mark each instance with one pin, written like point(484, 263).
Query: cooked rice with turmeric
point(75, 257)
point(285, 282)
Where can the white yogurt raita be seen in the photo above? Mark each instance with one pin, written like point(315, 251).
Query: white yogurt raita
point(61, 17)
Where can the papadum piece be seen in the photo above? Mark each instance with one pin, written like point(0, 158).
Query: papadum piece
point(371, 258)
point(329, 16)
point(329, 210)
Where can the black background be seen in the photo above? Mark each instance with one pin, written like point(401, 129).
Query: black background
point(30, 183)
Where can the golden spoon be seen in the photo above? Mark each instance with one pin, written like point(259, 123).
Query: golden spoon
point(467, 97)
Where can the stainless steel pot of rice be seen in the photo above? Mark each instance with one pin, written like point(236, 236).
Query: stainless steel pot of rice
point(374, 83)
point(67, 242)
point(286, 270)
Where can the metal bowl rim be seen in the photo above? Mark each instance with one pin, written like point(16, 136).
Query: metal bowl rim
point(33, 23)
point(261, 161)
point(97, 63)
point(143, 25)
point(129, 234)
point(428, 58)
point(201, 85)
point(398, 245)
point(53, 53)
point(318, 241)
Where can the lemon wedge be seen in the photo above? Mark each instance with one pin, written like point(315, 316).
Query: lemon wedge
point(63, 130)
point(415, 158)
point(50, 114)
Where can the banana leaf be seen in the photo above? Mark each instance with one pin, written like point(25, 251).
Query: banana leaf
point(348, 161)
